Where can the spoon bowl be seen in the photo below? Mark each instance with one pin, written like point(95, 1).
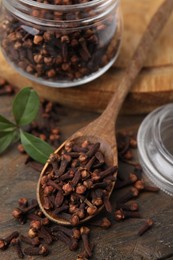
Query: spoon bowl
point(107, 147)
point(102, 129)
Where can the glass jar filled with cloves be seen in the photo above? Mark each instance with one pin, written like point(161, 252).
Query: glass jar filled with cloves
point(60, 43)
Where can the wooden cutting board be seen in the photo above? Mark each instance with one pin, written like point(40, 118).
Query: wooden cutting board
point(154, 85)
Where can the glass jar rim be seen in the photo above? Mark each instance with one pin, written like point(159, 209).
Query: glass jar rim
point(22, 10)
point(52, 7)
point(158, 123)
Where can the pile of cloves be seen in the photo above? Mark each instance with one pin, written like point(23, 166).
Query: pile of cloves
point(42, 233)
point(126, 207)
point(77, 182)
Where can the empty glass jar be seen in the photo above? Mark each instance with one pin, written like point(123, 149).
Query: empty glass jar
point(60, 43)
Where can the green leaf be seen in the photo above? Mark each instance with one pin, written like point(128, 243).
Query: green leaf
point(6, 139)
point(38, 149)
point(6, 125)
point(25, 106)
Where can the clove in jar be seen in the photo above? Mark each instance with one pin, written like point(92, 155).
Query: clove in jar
point(60, 43)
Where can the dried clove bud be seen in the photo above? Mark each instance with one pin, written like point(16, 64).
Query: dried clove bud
point(23, 202)
point(140, 185)
point(71, 242)
point(74, 220)
point(34, 241)
point(39, 217)
point(132, 178)
point(84, 255)
point(122, 214)
point(4, 242)
point(18, 213)
point(147, 225)
point(132, 193)
point(44, 234)
point(15, 242)
point(35, 225)
point(103, 222)
point(107, 203)
point(84, 234)
point(132, 206)
point(41, 250)
point(32, 233)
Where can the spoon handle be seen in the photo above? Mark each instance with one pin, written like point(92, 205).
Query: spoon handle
point(108, 118)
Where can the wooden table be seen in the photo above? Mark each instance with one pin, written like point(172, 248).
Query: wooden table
point(121, 240)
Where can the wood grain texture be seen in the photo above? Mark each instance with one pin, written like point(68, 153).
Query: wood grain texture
point(121, 240)
point(137, 15)
point(152, 88)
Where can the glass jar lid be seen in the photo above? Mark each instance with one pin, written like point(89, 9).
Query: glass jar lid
point(155, 147)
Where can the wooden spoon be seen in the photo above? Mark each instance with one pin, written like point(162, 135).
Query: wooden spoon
point(102, 129)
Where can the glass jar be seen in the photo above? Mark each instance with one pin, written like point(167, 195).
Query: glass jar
point(67, 43)
point(155, 147)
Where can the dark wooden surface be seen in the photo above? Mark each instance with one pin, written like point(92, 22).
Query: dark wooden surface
point(121, 240)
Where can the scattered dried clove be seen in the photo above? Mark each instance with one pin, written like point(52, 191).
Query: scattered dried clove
point(140, 185)
point(15, 242)
point(42, 220)
point(34, 242)
point(84, 234)
point(72, 243)
point(132, 193)
point(45, 235)
point(23, 202)
point(132, 178)
point(123, 214)
point(132, 206)
point(19, 213)
point(72, 233)
point(41, 250)
point(4, 242)
point(147, 225)
point(103, 222)
point(84, 255)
